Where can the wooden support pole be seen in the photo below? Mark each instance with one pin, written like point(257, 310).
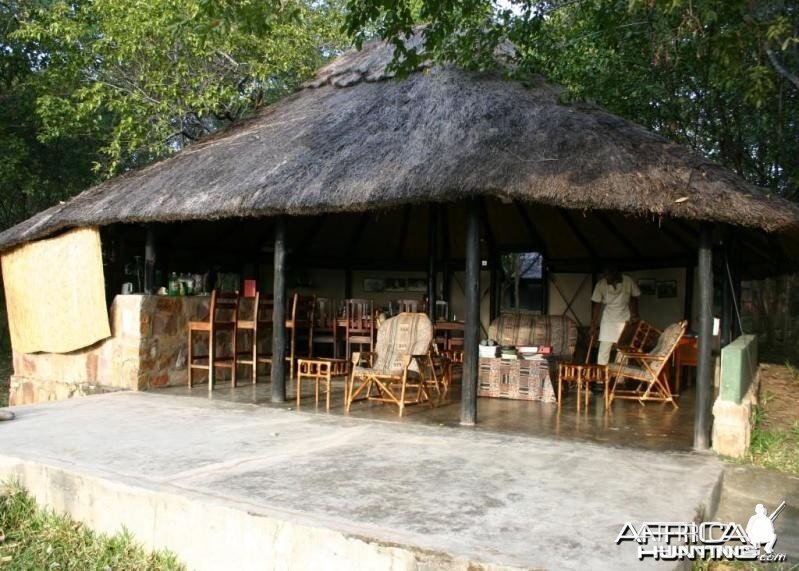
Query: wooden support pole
point(279, 315)
point(446, 279)
point(348, 283)
point(494, 292)
point(471, 334)
point(149, 261)
point(726, 295)
point(688, 302)
point(704, 370)
point(432, 251)
point(735, 270)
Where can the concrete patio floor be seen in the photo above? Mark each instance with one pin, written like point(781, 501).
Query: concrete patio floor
point(235, 486)
point(656, 426)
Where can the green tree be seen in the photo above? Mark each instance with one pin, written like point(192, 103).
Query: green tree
point(155, 75)
point(33, 174)
point(717, 75)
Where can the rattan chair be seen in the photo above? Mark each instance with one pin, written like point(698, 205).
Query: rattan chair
point(399, 370)
point(647, 371)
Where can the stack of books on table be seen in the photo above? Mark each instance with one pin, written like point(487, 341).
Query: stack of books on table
point(487, 351)
point(534, 351)
point(508, 353)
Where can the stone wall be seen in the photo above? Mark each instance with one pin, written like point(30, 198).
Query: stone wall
point(147, 349)
point(732, 411)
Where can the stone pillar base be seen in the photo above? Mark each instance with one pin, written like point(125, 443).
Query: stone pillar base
point(26, 390)
point(732, 424)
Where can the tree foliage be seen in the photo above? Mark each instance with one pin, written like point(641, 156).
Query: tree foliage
point(33, 174)
point(92, 88)
point(164, 73)
point(718, 75)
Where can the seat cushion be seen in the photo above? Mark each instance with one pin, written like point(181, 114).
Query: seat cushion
point(404, 334)
point(520, 328)
point(360, 371)
point(627, 370)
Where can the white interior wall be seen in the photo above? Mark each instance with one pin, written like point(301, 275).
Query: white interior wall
point(660, 312)
point(563, 288)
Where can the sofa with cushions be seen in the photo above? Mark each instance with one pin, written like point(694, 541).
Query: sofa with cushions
point(527, 380)
point(518, 328)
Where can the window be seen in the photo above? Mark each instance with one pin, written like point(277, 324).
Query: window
point(522, 281)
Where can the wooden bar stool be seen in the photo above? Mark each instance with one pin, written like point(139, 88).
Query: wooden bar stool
point(583, 375)
point(250, 356)
point(320, 371)
point(263, 332)
point(299, 325)
point(222, 316)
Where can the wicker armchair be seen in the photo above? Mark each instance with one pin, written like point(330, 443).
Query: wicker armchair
point(646, 370)
point(400, 371)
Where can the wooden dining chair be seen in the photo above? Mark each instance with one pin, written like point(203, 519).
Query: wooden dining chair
point(264, 329)
point(324, 331)
point(222, 317)
point(442, 310)
point(359, 326)
point(409, 306)
point(249, 356)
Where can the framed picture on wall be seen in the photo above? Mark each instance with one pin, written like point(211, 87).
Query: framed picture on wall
point(647, 286)
point(667, 289)
point(394, 284)
point(374, 285)
point(417, 284)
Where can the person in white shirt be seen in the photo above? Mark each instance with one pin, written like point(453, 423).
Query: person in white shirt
point(615, 299)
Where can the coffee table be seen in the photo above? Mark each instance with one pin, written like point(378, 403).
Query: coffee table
point(520, 379)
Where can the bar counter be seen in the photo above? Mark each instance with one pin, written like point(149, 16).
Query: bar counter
point(147, 349)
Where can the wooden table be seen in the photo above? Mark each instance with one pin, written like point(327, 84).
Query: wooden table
point(521, 379)
point(685, 355)
point(446, 328)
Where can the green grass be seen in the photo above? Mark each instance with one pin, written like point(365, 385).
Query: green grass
point(35, 538)
point(794, 371)
point(776, 449)
point(5, 374)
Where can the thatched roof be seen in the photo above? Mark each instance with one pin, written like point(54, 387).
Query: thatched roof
point(354, 139)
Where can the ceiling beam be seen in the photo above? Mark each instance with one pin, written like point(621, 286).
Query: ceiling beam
point(357, 235)
point(406, 221)
point(310, 236)
point(577, 234)
point(532, 231)
point(676, 238)
point(617, 233)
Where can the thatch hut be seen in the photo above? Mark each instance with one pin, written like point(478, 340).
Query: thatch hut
point(359, 170)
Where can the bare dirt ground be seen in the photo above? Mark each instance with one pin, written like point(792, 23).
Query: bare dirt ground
point(775, 437)
point(779, 395)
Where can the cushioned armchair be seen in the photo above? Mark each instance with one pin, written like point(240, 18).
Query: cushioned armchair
point(400, 371)
point(645, 371)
